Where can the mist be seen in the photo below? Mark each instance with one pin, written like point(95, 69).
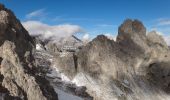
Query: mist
point(55, 32)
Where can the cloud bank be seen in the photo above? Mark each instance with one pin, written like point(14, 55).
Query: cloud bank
point(51, 31)
point(86, 37)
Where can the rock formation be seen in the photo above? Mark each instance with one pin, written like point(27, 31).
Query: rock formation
point(134, 67)
point(19, 77)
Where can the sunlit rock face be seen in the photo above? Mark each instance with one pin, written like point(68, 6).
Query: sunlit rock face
point(19, 77)
point(128, 68)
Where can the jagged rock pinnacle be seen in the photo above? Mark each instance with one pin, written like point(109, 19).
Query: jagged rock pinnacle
point(132, 26)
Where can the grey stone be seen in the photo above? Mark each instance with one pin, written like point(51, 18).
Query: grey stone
point(18, 71)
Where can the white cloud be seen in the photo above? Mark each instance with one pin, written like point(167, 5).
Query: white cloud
point(36, 13)
point(47, 31)
point(86, 37)
point(163, 21)
point(167, 39)
point(108, 35)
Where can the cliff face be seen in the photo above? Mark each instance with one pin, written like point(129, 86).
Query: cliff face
point(134, 67)
point(12, 30)
point(19, 77)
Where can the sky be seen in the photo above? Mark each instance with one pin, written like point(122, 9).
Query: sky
point(90, 17)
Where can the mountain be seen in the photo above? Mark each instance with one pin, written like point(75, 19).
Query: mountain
point(69, 43)
point(134, 67)
point(19, 75)
point(130, 68)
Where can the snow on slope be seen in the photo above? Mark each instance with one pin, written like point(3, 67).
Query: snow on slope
point(65, 96)
point(57, 79)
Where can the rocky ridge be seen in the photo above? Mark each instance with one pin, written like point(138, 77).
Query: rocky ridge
point(134, 67)
point(18, 71)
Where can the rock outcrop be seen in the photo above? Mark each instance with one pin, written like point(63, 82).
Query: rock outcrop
point(132, 36)
point(134, 67)
point(20, 79)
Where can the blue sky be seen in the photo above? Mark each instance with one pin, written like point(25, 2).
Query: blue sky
point(94, 16)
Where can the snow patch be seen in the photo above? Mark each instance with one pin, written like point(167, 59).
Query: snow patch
point(96, 89)
point(38, 47)
point(13, 30)
point(65, 96)
point(56, 73)
point(65, 78)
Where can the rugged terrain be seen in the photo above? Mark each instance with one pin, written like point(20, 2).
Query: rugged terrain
point(19, 78)
point(134, 67)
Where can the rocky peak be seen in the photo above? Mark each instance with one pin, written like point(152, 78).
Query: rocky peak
point(132, 34)
point(102, 39)
point(132, 27)
point(155, 38)
point(129, 29)
point(140, 61)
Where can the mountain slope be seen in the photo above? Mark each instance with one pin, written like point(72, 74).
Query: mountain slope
point(20, 79)
point(134, 67)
